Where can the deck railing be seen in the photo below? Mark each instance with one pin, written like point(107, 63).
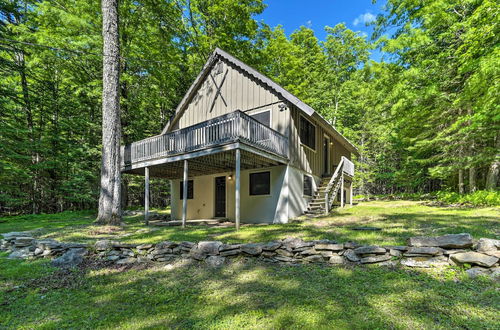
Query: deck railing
point(232, 127)
point(345, 166)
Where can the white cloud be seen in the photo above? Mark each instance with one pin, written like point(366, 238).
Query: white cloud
point(364, 18)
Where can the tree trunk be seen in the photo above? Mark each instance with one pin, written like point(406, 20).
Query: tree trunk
point(461, 181)
point(472, 179)
point(494, 170)
point(110, 197)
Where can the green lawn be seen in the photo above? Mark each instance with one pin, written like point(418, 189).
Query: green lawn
point(398, 220)
point(252, 294)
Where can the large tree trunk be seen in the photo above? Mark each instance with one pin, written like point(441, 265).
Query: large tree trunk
point(460, 181)
point(472, 179)
point(110, 198)
point(494, 170)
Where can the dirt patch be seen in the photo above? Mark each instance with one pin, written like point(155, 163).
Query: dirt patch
point(105, 230)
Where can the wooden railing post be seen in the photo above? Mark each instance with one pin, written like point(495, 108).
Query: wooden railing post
point(146, 195)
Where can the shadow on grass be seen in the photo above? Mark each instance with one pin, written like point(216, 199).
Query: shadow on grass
point(262, 296)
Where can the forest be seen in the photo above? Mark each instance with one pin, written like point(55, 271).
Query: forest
point(426, 119)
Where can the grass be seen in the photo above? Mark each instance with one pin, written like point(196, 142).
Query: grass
point(244, 295)
point(251, 294)
point(397, 219)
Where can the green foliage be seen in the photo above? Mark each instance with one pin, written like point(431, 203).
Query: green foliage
point(478, 198)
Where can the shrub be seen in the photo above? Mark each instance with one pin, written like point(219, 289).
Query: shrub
point(478, 198)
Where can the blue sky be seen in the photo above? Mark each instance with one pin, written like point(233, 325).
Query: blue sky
point(316, 14)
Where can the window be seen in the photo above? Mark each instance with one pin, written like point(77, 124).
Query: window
point(307, 133)
point(190, 189)
point(263, 117)
point(308, 185)
point(260, 183)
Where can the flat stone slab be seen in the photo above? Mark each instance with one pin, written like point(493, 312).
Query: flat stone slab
point(425, 262)
point(487, 244)
point(371, 249)
point(251, 249)
point(379, 258)
point(329, 247)
point(475, 258)
point(71, 258)
point(454, 241)
point(416, 251)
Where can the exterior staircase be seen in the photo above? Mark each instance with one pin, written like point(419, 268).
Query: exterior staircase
point(328, 188)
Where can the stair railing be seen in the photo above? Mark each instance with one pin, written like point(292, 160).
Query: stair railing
point(333, 185)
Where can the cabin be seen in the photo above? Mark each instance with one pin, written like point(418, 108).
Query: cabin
point(242, 148)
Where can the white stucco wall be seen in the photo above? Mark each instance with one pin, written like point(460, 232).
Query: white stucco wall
point(285, 201)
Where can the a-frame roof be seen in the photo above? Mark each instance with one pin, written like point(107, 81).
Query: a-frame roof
point(289, 97)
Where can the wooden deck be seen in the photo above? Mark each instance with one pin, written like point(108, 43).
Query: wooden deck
point(224, 133)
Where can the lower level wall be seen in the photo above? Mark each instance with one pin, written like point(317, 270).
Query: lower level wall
point(285, 201)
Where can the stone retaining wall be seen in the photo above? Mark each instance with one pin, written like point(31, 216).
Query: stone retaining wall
point(421, 252)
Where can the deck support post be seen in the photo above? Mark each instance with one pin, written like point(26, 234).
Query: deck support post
point(342, 190)
point(350, 193)
point(184, 193)
point(237, 190)
point(146, 195)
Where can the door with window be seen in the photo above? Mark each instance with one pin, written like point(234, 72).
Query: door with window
point(220, 196)
point(326, 155)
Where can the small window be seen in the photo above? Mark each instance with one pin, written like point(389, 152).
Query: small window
point(190, 189)
point(260, 183)
point(307, 133)
point(308, 185)
point(263, 117)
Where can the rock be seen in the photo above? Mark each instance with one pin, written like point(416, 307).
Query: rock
point(477, 271)
point(454, 241)
point(314, 258)
point(369, 250)
point(144, 246)
point(38, 251)
point(72, 258)
point(295, 243)
point(156, 252)
point(493, 253)
point(271, 246)
point(351, 245)
point(267, 254)
point(103, 245)
point(424, 262)
point(401, 248)
point(165, 258)
point(186, 244)
point(351, 255)
point(20, 254)
point(418, 251)
point(228, 253)
point(12, 235)
point(143, 260)
point(283, 258)
point(209, 247)
point(327, 254)
point(112, 258)
point(215, 261)
point(23, 241)
point(495, 273)
point(171, 245)
point(336, 260)
point(395, 253)
point(474, 258)
point(251, 249)
point(379, 258)
point(309, 252)
point(48, 244)
point(126, 261)
point(487, 244)
point(450, 252)
point(389, 263)
point(329, 247)
point(284, 253)
point(228, 247)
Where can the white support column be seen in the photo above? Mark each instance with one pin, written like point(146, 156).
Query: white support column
point(350, 194)
point(184, 193)
point(146, 195)
point(342, 190)
point(237, 190)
